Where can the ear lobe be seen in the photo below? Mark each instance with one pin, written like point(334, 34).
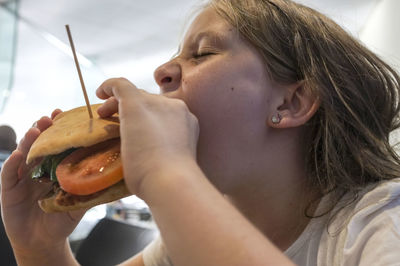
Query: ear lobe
point(298, 106)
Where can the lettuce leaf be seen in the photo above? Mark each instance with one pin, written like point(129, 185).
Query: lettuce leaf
point(49, 165)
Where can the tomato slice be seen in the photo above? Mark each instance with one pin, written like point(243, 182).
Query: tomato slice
point(91, 169)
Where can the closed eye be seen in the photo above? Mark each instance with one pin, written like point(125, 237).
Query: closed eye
point(202, 54)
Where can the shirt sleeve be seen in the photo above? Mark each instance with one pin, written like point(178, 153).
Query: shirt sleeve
point(368, 234)
point(378, 243)
point(155, 254)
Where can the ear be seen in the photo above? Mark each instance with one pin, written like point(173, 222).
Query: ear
point(296, 106)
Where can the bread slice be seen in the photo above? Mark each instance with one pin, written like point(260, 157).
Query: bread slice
point(73, 129)
point(58, 201)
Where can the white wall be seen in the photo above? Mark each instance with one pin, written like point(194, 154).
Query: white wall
point(46, 78)
point(381, 33)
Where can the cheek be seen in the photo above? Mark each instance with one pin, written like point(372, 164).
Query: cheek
point(227, 94)
point(231, 105)
point(232, 118)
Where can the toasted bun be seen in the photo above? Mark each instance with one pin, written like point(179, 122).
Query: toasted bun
point(51, 204)
point(73, 129)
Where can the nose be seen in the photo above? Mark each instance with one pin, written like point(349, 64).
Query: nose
point(168, 76)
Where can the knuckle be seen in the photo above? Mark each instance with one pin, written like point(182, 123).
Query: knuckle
point(122, 82)
point(142, 91)
point(107, 82)
point(180, 104)
point(122, 79)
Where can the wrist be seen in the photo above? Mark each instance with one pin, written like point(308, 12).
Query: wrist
point(165, 178)
point(56, 255)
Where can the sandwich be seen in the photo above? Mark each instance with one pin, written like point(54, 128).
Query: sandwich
point(81, 158)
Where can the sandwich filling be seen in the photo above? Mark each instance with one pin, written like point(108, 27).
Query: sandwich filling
point(47, 167)
point(81, 174)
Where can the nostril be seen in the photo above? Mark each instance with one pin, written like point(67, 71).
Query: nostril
point(166, 80)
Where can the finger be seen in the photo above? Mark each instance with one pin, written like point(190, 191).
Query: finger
point(108, 108)
point(9, 172)
point(100, 93)
point(104, 93)
point(55, 113)
point(117, 87)
point(28, 139)
point(43, 123)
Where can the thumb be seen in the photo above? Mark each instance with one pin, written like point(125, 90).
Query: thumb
point(9, 172)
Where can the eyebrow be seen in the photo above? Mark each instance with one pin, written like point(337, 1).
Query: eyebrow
point(217, 37)
point(213, 35)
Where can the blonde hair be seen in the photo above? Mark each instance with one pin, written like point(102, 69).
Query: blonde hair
point(347, 145)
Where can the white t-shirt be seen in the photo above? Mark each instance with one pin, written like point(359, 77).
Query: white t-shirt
point(366, 232)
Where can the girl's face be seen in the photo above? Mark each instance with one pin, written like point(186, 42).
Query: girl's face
point(223, 81)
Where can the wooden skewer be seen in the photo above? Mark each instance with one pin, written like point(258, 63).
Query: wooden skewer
point(79, 72)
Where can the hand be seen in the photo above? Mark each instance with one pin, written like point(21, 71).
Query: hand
point(29, 229)
point(156, 132)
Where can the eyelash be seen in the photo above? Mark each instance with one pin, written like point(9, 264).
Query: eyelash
point(202, 54)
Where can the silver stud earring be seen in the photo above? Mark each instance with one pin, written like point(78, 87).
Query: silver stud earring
point(276, 119)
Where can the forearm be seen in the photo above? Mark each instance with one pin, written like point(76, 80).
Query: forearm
point(199, 226)
point(60, 256)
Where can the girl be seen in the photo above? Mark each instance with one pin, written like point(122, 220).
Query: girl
point(268, 146)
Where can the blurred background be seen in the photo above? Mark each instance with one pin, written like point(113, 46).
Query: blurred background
point(128, 38)
point(124, 38)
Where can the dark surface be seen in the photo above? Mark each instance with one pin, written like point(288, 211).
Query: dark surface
point(6, 253)
point(7, 138)
point(111, 242)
